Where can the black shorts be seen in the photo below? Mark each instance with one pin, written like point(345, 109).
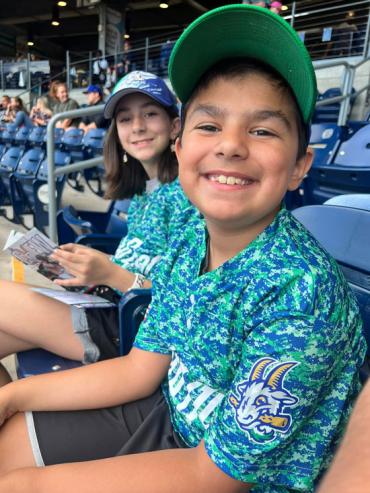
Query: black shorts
point(74, 436)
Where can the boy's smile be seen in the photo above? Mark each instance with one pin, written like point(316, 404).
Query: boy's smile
point(238, 153)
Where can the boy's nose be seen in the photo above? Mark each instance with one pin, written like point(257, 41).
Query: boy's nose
point(232, 144)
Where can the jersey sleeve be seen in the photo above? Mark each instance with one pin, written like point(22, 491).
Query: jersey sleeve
point(286, 402)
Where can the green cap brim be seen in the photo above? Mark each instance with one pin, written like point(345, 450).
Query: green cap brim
point(243, 31)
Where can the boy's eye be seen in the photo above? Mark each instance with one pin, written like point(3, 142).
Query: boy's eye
point(262, 132)
point(208, 128)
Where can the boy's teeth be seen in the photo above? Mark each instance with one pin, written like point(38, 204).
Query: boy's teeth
point(229, 180)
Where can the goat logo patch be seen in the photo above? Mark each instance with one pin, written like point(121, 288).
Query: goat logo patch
point(262, 405)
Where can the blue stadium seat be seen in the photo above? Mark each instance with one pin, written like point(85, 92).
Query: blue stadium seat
point(8, 134)
point(8, 165)
point(58, 136)
point(325, 182)
point(356, 200)
point(72, 143)
point(356, 150)
point(40, 188)
point(325, 139)
point(21, 136)
point(345, 233)
point(36, 138)
point(21, 183)
point(93, 143)
point(100, 230)
point(132, 308)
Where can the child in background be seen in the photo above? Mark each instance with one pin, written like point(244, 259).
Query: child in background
point(253, 335)
point(41, 113)
point(140, 165)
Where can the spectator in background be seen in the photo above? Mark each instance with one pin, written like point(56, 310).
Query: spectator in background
point(65, 103)
point(94, 98)
point(124, 66)
point(17, 113)
point(52, 94)
point(100, 67)
point(5, 102)
point(258, 3)
point(276, 7)
point(164, 57)
point(41, 113)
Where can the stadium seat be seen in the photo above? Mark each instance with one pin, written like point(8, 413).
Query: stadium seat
point(325, 182)
point(40, 189)
point(325, 139)
point(72, 143)
point(100, 230)
point(356, 200)
point(21, 136)
point(132, 308)
point(8, 165)
point(36, 137)
point(8, 134)
point(345, 233)
point(58, 136)
point(21, 183)
point(93, 143)
point(356, 150)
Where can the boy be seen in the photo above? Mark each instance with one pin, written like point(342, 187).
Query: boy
point(252, 332)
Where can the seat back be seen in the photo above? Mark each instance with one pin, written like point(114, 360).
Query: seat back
point(30, 162)
point(36, 137)
point(61, 158)
point(132, 309)
point(325, 182)
point(325, 139)
point(8, 134)
point(355, 152)
point(21, 136)
point(93, 142)
point(345, 233)
point(58, 136)
point(10, 159)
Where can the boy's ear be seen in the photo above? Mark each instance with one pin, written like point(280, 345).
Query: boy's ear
point(178, 148)
point(302, 167)
point(175, 128)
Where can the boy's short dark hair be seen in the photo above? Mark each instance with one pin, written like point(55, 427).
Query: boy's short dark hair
point(239, 67)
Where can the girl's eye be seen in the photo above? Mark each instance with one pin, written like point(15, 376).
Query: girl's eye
point(123, 119)
point(150, 114)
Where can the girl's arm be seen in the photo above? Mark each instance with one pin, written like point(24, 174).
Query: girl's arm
point(165, 471)
point(350, 470)
point(89, 267)
point(104, 384)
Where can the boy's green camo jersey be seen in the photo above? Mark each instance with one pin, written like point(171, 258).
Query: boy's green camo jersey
point(152, 219)
point(265, 353)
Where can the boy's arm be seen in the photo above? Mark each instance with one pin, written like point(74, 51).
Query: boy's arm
point(351, 466)
point(165, 471)
point(104, 384)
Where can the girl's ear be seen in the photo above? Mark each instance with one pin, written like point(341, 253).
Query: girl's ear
point(175, 128)
point(302, 167)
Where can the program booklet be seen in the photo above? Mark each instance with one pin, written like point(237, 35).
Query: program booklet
point(34, 249)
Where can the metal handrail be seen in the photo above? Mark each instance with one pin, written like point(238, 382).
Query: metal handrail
point(52, 172)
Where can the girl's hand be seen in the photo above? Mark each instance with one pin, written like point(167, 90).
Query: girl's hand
point(88, 266)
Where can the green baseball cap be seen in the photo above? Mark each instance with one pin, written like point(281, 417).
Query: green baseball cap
point(245, 31)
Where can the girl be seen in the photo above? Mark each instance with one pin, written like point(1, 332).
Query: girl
point(17, 113)
point(41, 113)
point(138, 160)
